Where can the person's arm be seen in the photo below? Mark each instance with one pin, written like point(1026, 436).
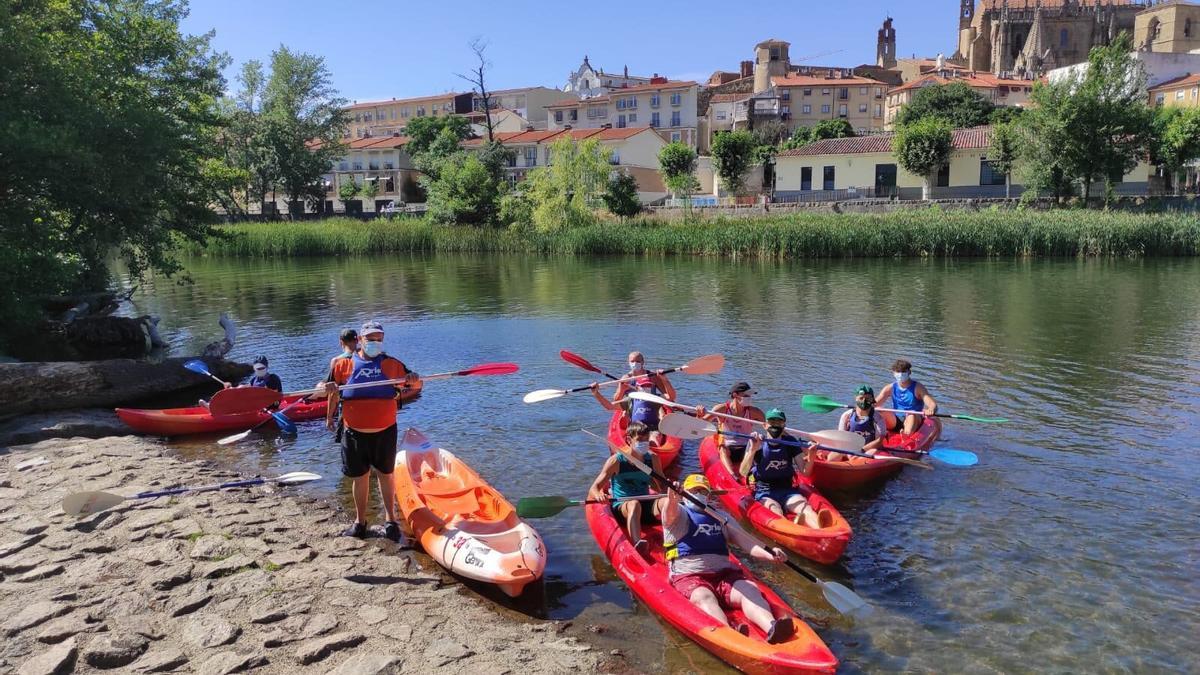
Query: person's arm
point(885, 396)
point(320, 385)
point(668, 389)
point(805, 461)
point(844, 421)
point(880, 433)
point(606, 473)
point(671, 514)
point(622, 391)
point(748, 461)
point(656, 464)
point(738, 537)
point(927, 399)
point(757, 415)
point(604, 402)
point(275, 383)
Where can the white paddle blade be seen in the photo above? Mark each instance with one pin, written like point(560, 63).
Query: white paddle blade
point(296, 477)
point(87, 503)
point(236, 438)
point(543, 395)
point(651, 398)
point(834, 438)
point(844, 600)
point(704, 365)
point(686, 427)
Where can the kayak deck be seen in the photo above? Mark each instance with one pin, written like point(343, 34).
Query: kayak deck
point(859, 471)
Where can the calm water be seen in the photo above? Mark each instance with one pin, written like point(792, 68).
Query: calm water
point(1071, 547)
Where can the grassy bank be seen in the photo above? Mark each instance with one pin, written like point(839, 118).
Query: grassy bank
point(911, 233)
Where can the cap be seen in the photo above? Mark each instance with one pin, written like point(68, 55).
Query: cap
point(259, 359)
point(349, 334)
point(864, 389)
point(741, 388)
point(370, 328)
point(694, 481)
point(776, 414)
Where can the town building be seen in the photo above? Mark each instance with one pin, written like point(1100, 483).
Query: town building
point(382, 161)
point(1170, 27)
point(1030, 37)
point(999, 91)
point(803, 101)
point(1182, 92)
point(388, 118)
point(588, 82)
point(527, 102)
point(1157, 67)
point(502, 121)
point(667, 106)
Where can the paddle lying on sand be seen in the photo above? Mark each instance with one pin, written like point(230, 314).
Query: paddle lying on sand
point(577, 360)
point(822, 404)
point(686, 426)
point(285, 425)
point(704, 365)
point(844, 600)
point(201, 368)
point(87, 503)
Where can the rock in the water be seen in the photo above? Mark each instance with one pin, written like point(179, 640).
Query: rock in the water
point(57, 660)
point(115, 651)
point(209, 631)
point(33, 615)
point(316, 650)
point(88, 423)
point(369, 664)
point(231, 662)
point(160, 661)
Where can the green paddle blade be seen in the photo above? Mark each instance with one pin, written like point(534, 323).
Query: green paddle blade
point(543, 507)
point(820, 404)
point(989, 420)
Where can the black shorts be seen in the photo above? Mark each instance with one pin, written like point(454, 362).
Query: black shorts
point(648, 517)
point(361, 451)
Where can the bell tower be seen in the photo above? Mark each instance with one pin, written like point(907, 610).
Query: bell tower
point(966, 14)
point(885, 46)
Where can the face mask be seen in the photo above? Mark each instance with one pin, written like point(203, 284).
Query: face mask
point(864, 405)
point(260, 371)
point(634, 366)
point(901, 378)
point(775, 431)
point(745, 400)
point(641, 446)
point(372, 349)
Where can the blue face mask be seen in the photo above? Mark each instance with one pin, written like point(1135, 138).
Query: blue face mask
point(372, 349)
point(902, 378)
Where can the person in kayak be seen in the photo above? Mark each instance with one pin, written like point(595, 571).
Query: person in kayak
point(369, 418)
point(906, 394)
point(863, 420)
point(651, 383)
point(773, 467)
point(626, 480)
point(733, 448)
point(261, 377)
point(697, 553)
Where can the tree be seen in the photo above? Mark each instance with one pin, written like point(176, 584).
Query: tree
point(1177, 140)
point(467, 187)
point(423, 131)
point(801, 137)
point(479, 86)
point(621, 197)
point(956, 103)
point(1004, 114)
point(733, 154)
point(769, 133)
point(826, 129)
point(370, 188)
point(305, 122)
point(348, 189)
point(677, 165)
point(562, 192)
point(1004, 153)
point(923, 147)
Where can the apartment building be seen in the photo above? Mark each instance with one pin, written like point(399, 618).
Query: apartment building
point(379, 160)
point(805, 100)
point(1182, 91)
point(1000, 91)
point(668, 107)
point(528, 102)
point(388, 118)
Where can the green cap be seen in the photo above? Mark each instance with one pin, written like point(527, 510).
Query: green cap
point(865, 389)
point(776, 414)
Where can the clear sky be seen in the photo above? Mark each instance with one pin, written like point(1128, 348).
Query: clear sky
point(381, 49)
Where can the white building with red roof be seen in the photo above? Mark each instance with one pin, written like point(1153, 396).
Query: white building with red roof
point(667, 106)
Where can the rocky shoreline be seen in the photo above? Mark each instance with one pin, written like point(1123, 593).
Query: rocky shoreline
point(245, 580)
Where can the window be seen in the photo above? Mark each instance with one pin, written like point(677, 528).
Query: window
point(828, 182)
point(787, 95)
point(358, 164)
point(1064, 38)
point(675, 119)
point(721, 115)
point(878, 110)
point(531, 156)
point(373, 163)
point(654, 121)
point(389, 164)
point(878, 92)
point(808, 92)
point(844, 93)
point(547, 155)
point(1159, 99)
point(1179, 95)
point(1195, 91)
point(620, 121)
point(420, 111)
point(614, 158)
point(787, 109)
point(675, 137)
point(842, 110)
point(654, 100)
point(943, 176)
point(404, 112)
point(806, 109)
point(987, 176)
point(558, 116)
point(825, 91)
point(632, 102)
point(587, 84)
point(1187, 28)
point(620, 104)
point(632, 117)
point(574, 115)
point(826, 109)
point(806, 178)
point(774, 53)
point(676, 99)
point(862, 107)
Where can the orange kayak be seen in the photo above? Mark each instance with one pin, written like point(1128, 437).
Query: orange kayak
point(667, 453)
point(824, 545)
point(461, 521)
point(804, 652)
point(859, 471)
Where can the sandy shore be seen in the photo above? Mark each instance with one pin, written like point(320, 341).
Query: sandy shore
point(246, 580)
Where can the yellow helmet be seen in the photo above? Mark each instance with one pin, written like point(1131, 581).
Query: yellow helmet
point(694, 481)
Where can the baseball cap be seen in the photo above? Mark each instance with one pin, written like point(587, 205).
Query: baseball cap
point(696, 480)
point(776, 414)
point(260, 359)
point(370, 328)
point(741, 388)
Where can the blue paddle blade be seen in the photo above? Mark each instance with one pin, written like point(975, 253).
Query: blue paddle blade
point(285, 425)
point(197, 366)
point(954, 457)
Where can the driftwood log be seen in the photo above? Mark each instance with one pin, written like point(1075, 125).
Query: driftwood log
point(46, 386)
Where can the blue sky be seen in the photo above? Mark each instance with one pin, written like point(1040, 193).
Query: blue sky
point(382, 49)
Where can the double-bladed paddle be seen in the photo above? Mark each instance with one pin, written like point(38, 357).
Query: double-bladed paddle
point(201, 368)
point(281, 420)
point(87, 503)
point(823, 404)
point(545, 507)
point(844, 600)
point(704, 365)
point(577, 360)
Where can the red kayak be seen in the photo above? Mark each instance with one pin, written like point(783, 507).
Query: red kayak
point(824, 544)
point(667, 452)
point(804, 652)
point(859, 471)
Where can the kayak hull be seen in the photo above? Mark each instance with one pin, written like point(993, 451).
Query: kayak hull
point(667, 453)
point(804, 652)
point(462, 522)
point(858, 471)
point(824, 545)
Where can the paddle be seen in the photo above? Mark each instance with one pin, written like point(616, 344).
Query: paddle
point(285, 424)
point(577, 360)
point(545, 507)
point(685, 426)
point(481, 369)
point(241, 400)
point(201, 368)
point(87, 503)
point(704, 365)
point(822, 404)
point(844, 600)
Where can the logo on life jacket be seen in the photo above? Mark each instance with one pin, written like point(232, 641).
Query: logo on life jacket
point(371, 371)
point(705, 529)
point(776, 464)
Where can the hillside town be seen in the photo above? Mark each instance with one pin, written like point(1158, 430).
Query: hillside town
point(1002, 49)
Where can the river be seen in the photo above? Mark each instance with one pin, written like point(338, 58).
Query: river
point(1071, 547)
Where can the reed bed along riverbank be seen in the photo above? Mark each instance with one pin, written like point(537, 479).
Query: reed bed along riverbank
point(807, 235)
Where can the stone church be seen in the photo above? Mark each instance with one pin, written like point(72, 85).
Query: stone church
point(1025, 38)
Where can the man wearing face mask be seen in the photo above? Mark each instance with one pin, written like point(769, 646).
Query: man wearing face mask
point(774, 465)
point(906, 394)
point(625, 480)
point(733, 448)
point(651, 383)
point(864, 421)
point(262, 377)
point(369, 421)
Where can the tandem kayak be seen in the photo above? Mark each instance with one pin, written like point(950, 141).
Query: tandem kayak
point(858, 471)
point(667, 453)
point(823, 545)
point(804, 652)
point(462, 522)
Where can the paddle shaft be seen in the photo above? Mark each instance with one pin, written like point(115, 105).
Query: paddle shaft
point(286, 408)
point(629, 378)
point(204, 488)
point(381, 383)
point(692, 409)
point(820, 446)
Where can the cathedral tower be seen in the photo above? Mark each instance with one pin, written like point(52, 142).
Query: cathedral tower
point(885, 46)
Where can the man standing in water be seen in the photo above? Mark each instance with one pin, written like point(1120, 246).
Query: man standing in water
point(369, 420)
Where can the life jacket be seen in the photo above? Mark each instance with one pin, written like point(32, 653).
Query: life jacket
point(368, 370)
point(268, 381)
point(644, 411)
point(864, 428)
point(905, 399)
point(705, 535)
point(773, 465)
point(630, 481)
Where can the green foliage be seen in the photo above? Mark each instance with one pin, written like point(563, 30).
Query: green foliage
point(826, 129)
point(465, 188)
point(423, 131)
point(732, 156)
point(956, 103)
point(561, 193)
point(370, 188)
point(621, 197)
point(770, 133)
point(348, 189)
point(677, 164)
point(1005, 151)
point(1177, 138)
point(801, 137)
point(923, 147)
point(1005, 114)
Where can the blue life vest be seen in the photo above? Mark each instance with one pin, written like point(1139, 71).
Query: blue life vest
point(864, 428)
point(645, 411)
point(369, 370)
point(773, 464)
point(268, 381)
point(705, 535)
point(905, 399)
point(630, 481)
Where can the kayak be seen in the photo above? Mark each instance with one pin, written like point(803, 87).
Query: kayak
point(824, 545)
point(859, 471)
point(804, 652)
point(462, 522)
point(667, 453)
point(198, 420)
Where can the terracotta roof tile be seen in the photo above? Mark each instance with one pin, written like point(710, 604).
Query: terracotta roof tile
point(976, 80)
point(1183, 81)
point(964, 139)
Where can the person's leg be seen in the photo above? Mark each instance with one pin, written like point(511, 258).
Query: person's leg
point(632, 510)
point(745, 596)
point(798, 506)
point(771, 504)
point(704, 598)
point(362, 491)
point(387, 490)
point(912, 423)
point(358, 470)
